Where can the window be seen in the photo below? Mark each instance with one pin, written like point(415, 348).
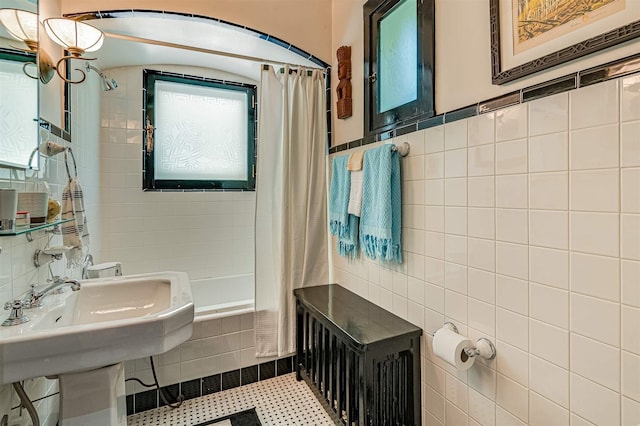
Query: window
point(199, 134)
point(399, 62)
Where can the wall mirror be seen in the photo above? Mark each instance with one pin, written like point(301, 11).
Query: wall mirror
point(18, 91)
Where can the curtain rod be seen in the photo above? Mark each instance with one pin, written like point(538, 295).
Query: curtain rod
point(202, 50)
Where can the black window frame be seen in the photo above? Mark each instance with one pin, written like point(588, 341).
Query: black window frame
point(424, 106)
point(17, 56)
point(150, 183)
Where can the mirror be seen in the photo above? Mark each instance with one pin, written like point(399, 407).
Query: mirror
point(18, 96)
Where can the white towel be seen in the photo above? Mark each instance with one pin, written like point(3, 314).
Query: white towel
point(74, 233)
point(355, 161)
point(355, 193)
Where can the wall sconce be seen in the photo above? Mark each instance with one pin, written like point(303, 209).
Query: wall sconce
point(21, 25)
point(77, 38)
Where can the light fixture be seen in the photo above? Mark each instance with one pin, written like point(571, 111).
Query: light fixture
point(76, 37)
point(21, 25)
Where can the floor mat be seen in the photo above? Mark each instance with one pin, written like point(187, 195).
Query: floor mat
point(243, 418)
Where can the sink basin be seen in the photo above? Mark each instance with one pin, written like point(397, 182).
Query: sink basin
point(109, 320)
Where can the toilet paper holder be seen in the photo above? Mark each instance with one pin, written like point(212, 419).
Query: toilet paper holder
point(484, 347)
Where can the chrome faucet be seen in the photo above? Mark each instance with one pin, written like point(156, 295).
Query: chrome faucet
point(34, 297)
point(16, 317)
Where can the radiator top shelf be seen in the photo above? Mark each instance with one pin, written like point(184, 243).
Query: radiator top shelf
point(365, 322)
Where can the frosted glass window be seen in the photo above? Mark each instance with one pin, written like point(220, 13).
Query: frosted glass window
point(18, 114)
point(398, 56)
point(200, 132)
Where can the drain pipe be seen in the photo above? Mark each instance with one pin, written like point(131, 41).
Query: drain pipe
point(26, 403)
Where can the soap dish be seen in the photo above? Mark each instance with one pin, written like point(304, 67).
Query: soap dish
point(57, 250)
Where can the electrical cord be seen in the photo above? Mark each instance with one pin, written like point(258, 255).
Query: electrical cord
point(135, 379)
point(39, 399)
point(179, 399)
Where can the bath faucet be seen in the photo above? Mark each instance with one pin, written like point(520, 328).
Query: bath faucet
point(34, 297)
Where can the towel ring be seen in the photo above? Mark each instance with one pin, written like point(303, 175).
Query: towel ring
point(66, 163)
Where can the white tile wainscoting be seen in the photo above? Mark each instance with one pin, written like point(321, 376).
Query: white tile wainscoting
point(221, 352)
point(523, 225)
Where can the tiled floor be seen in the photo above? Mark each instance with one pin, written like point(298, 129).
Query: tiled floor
point(278, 401)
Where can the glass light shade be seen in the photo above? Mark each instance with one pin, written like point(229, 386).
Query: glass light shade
point(20, 24)
point(74, 35)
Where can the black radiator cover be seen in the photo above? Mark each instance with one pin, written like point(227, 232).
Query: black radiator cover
point(363, 360)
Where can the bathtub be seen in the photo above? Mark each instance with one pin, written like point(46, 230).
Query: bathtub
point(223, 296)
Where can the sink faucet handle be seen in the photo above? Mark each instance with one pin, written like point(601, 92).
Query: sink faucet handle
point(16, 317)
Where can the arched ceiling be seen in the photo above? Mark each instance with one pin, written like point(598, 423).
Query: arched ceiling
point(200, 35)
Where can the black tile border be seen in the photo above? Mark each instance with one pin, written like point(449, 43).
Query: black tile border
point(460, 114)
point(191, 389)
point(550, 88)
point(285, 365)
point(55, 130)
point(148, 400)
point(500, 102)
point(211, 384)
point(130, 408)
point(609, 71)
point(267, 370)
point(230, 379)
point(170, 393)
point(249, 375)
point(434, 121)
point(406, 129)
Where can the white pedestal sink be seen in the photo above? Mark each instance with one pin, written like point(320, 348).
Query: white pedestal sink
point(110, 320)
point(94, 397)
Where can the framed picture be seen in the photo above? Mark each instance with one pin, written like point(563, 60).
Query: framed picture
point(528, 36)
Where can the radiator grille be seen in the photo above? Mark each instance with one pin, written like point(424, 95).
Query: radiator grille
point(337, 370)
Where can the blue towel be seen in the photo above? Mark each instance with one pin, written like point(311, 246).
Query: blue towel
point(341, 223)
point(381, 218)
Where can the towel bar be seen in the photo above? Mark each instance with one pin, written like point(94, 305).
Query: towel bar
point(402, 149)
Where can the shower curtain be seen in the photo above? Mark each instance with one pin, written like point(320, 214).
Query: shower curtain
point(291, 223)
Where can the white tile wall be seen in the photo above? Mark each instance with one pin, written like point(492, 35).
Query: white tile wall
point(543, 258)
point(17, 271)
point(204, 234)
point(216, 346)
